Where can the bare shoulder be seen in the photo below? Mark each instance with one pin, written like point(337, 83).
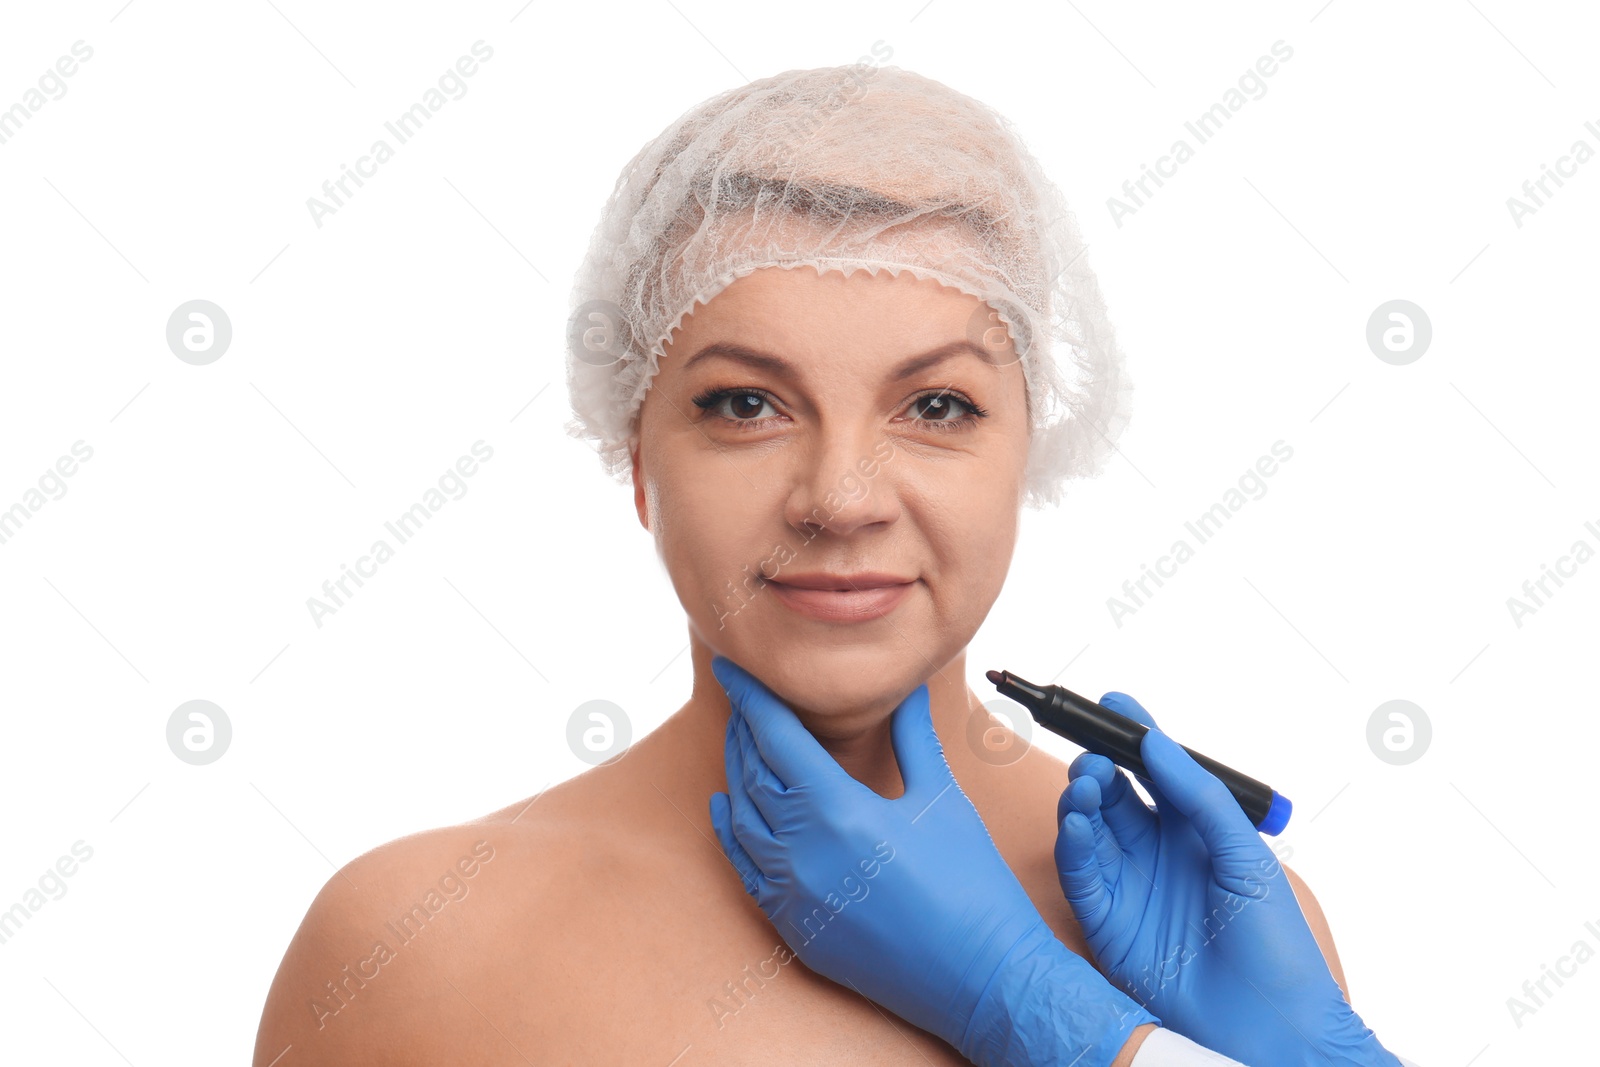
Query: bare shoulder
point(1318, 922)
point(365, 976)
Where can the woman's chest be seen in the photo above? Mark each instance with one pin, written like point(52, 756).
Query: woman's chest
point(650, 951)
point(701, 977)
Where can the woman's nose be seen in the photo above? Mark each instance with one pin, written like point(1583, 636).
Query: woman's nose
point(843, 482)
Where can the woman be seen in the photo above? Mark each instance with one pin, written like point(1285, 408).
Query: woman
point(837, 329)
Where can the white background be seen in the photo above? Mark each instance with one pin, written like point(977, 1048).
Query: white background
point(428, 313)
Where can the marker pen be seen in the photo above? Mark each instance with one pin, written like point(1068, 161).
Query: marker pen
point(1117, 737)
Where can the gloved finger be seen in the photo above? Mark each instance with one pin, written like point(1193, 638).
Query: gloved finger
point(1083, 796)
point(1237, 851)
point(750, 827)
point(1124, 811)
point(760, 784)
point(917, 747)
point(1117, 857)
point(722, 823)
point(793, 755)
point(1078, 867)
point(1126, 706)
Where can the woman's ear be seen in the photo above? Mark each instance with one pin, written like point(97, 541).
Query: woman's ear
point(638, 486)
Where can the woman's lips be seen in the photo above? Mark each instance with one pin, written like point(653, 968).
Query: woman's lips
point(841, 605)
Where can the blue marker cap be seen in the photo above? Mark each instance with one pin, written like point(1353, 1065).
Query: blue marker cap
point(1277, 815)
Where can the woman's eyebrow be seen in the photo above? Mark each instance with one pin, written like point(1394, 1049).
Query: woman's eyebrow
point(784, 369)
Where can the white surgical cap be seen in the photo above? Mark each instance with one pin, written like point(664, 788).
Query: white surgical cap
point(847, 168)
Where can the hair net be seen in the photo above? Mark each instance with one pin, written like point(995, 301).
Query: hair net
point(847, 168)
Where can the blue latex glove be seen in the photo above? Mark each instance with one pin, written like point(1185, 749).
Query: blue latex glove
point(1216, 943)
point(905, 900)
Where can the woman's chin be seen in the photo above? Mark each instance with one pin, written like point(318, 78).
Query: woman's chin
point(837, 682)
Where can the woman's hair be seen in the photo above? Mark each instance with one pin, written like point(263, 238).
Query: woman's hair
point(848, 168)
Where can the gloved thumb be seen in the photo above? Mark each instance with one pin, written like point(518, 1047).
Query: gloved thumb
point(743, 689)
point(917, 747)
point(1126, 706)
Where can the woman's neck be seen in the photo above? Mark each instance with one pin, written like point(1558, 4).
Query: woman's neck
point(861, 745)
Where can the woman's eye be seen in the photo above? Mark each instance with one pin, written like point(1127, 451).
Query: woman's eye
point(738, 407)
point(935, 406)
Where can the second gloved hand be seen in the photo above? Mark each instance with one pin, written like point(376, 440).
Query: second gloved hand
point(1187, 908)
point(907, 901)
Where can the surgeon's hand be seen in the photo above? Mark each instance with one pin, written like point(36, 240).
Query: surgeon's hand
point(905, 900)
point(1189, 910)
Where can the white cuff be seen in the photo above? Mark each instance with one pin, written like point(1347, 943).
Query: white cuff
point(1168, 1048)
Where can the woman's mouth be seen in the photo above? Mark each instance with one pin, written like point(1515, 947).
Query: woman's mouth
point(842, 605)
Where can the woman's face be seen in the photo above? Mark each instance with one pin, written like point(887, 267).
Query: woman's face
point(785, 437)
